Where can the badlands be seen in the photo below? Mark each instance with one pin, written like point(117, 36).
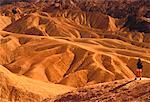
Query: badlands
point(73, 51)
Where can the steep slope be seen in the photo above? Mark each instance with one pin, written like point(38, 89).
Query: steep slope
point(92, 20)
point(73, 62)
point(19, 88)
point(120, 91)
point(4, 22)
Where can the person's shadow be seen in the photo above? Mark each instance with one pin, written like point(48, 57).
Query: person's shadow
point(118, 87)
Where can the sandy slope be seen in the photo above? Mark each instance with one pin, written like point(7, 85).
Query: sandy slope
point(4, 22)
point(22, 89)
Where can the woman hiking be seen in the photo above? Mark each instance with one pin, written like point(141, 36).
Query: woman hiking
point(139, 69)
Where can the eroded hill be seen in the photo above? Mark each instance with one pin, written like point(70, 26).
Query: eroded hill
point(71, 61)
point(70, 48)
point(75, 24)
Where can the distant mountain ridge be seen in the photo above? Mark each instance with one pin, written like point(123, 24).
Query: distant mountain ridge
point(114, 8)
point(2, 2)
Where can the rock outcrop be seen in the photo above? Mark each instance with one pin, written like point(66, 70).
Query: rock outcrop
point(124, 90)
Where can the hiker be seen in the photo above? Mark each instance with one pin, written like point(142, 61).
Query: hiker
point(139, 69)
point(14, 11)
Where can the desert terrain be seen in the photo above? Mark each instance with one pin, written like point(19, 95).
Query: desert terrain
point(73, 51)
